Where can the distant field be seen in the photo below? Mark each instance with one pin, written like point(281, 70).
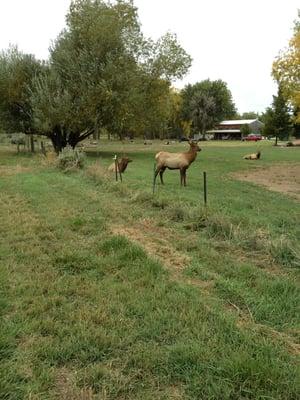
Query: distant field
point(109, 292)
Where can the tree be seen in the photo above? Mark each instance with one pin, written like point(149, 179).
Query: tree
point(105, 74)
point(277, 118)
point(245, 130)
point(206, 93)
point(175, 128)
point(248, 115)
point(268, 120)
point(203, 109)
point(286, 71)
point(17, 71)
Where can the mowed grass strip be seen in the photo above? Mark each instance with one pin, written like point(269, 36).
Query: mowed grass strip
point(88, 314)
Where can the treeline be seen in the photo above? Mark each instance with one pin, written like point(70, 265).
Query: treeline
point(104, 75)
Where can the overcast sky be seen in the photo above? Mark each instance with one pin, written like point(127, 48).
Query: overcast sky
point(232, 40)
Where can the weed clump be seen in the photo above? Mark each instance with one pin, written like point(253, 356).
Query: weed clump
point(161, 203)
point(177, 213)
point(70, 159)
point(142, 197)
point(97, 173)
point(283, 252)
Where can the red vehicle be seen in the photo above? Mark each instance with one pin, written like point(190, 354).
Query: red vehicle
point(252, 136)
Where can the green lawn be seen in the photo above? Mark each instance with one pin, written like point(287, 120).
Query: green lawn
point(110, 293)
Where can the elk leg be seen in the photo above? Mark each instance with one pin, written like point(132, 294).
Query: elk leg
point(181, 176)
point(161, 175)
point(184, 177)
point(156, 173)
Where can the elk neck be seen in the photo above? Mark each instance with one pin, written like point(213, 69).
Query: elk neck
point(191, 154)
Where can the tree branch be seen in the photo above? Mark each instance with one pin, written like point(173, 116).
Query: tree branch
point(86, 134)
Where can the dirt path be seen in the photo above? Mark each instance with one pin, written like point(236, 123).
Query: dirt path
point(284, 178)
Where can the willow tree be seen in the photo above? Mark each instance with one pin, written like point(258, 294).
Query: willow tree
point(104, 73)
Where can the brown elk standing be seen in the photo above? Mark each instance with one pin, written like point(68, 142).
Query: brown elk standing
point(179, 161)
point(122, 165)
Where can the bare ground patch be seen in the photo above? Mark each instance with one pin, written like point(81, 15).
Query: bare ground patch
point(283, 178)
point(65, 387)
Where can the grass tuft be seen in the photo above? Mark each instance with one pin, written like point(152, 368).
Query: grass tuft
point(284, 252)
point(97, 173)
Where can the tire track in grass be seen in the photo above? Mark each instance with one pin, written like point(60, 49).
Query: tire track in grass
point(156, 242)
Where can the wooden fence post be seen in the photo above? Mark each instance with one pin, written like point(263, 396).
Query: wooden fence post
point(154, 169)
point(205, 187)
point(116, 167)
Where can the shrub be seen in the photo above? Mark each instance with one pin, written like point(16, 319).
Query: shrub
point(70, 159)
point(18, 138)
point(5, 138)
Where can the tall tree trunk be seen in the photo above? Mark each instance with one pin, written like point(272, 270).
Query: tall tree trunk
point(73, 140)
point(58, 141)
point(204, 131)
point(56, 145)
point(31, 143)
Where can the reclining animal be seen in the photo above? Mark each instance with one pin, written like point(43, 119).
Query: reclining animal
point(253, 156)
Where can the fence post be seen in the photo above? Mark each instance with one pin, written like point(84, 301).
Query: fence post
point(120, 173)
point(205, 187)
point(116, 167)
point(154, 169)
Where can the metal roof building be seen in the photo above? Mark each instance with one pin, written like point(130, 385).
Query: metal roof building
point(231, 129)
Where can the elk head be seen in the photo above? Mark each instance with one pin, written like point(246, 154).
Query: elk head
point(194, 146)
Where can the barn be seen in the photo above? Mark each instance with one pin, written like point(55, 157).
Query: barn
point(232, 129)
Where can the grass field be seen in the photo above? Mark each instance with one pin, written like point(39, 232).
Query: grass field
point(109, 292)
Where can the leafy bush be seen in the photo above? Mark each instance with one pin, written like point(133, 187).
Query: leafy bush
point(18, 138)
point(70, 159)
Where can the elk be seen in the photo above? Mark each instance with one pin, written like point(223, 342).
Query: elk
point(253, 156)
point(179, 161)
point(122, 165)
